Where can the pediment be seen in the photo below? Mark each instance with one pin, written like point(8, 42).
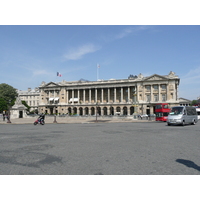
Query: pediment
point(155, 77)
point(184, 100)
point(51, 84)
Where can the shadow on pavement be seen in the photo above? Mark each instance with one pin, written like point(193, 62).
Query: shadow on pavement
point(188, 163)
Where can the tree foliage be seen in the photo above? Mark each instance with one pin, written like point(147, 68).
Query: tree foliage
point(194, 102)
point(3, 105)
point(8, 93)
point(27, 106)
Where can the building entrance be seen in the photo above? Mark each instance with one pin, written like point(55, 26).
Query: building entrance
point(20, 114)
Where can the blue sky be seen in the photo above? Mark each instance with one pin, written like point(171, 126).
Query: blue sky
point(32, 54)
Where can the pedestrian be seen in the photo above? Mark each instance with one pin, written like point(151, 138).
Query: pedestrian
point(7, 117)
point(4, 115)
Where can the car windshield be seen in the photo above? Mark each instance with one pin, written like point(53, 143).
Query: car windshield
point(176, 111)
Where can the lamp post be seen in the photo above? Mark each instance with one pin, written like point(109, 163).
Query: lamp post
point(96, 111)
point(55, 116)
point(149, 103)
point(8, 115)
point(135, 101)
point(135, 104)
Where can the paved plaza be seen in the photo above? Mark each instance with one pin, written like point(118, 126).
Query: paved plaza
point(103, 148)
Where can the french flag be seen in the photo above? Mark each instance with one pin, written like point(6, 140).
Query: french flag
point(58, 74)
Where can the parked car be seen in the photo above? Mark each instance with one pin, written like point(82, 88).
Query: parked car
point(143, 116)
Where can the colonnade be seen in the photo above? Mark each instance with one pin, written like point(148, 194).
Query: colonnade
point(98, 95)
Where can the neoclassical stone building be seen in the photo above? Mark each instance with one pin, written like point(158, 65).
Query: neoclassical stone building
point(137, 94)
point(31, 96)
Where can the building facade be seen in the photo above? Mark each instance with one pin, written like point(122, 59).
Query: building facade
point(31, 96)
point(137, 94)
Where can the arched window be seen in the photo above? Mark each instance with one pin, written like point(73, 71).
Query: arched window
point(105, 111)
point(124, 110)
point(80, 111)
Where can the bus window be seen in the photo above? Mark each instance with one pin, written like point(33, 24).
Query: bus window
point(165, 114)
point(159, 114)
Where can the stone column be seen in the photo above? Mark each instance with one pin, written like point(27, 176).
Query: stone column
point(67, 100)
point(90, 95)
point(78, 96)
point(108, 95)
point(128, 94)
point(102, 95)
point(84, 96)
point(122, 94)
point(115, 94)
point(95, 95)
point(73, 97)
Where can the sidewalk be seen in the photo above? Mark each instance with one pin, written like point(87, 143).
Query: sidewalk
point(65, 120)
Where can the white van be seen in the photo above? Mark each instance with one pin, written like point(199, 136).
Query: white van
point(182, 115)
point(198, 113)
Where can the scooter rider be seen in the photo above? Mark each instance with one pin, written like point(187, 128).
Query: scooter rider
point(41, 117)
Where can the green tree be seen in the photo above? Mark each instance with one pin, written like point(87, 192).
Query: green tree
point(3, 105)
point(25, 104)
point(194, 102)
point(8, 93)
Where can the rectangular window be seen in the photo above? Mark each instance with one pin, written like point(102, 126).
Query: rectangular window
point(155, 97)
point(163, 97)
point(148, 87)
point(163, 87)
point(148, 97)
point(155, 87)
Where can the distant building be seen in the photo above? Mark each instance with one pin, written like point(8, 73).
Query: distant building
point(136, 94)
point(184, 102)
point(31, 96)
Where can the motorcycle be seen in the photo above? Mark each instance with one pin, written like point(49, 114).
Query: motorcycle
point(39, 121)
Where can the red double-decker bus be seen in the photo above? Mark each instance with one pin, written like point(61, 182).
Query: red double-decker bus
point(162, 110)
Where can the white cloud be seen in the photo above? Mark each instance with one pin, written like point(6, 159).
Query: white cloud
point(188, 87)
point(78, 53)
point(192, 77)
point(40, 72)
point(129, 30)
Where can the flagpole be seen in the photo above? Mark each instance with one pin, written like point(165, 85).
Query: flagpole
point(98, 71)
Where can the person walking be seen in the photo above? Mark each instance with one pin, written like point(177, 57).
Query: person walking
point(4, 115)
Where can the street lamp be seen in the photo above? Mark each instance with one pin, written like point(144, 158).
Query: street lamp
point(96, 111)
point(135, 105)
point(55, 116)
point(149, 103)
point(8, 115)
